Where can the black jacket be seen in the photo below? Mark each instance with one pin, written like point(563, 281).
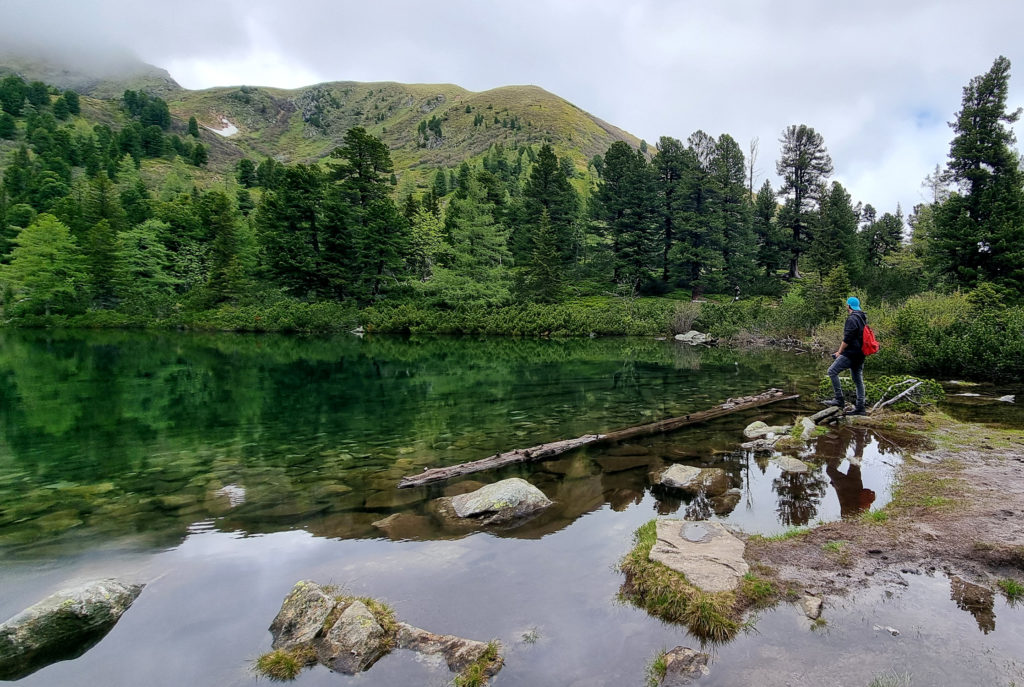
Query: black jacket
point(853, 335)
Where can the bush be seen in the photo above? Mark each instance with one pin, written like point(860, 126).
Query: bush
point(928, 394)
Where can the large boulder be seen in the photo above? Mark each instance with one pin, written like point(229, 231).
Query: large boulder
point(63, 625)
point(354, 642)
point(302, 615)
point(510, 500)
point(691, 480)
point(694, 338)
point(708, 554)
point(683, 666)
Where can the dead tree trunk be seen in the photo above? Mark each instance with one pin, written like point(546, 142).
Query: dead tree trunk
point(554, 448)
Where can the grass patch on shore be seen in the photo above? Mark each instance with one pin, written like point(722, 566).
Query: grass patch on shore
point(874, 517)
point(791, 533)
point(282, 665)
point(666, 594)
point(657, 668)
point(926, 490)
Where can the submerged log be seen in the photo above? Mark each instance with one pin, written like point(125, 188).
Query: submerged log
point(554, 448)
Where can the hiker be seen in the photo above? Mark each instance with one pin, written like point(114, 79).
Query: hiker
point(850, 356)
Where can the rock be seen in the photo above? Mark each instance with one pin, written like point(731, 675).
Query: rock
point(354, 642)
point(694, 338)
point(790, 464)
point(708, 555)
point(759, 430)
point(458, 653)
point(64, 625)
point(502, 502)
point(811, 606)
point(824, 415)
point(724, 504)
point(302, 615)
point(891, 630)
point(406, 526)
point(760, 445)
point(710, 481)
point(808, 428)
point(684, 665)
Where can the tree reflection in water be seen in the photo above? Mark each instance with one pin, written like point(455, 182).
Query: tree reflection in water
point(799, 496)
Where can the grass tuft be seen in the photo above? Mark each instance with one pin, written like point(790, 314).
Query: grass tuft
point(1012, 590)
point(783, 536)
point(282, 665)
point(479, 671)
point(657, 668)
point(874, 517)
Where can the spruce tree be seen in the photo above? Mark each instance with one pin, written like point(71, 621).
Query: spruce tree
point(547, 189)
point(100, 249)
point(625, 205)
point(835, 237)
point(771, 253)
point(734, 210)
point(45, 273)
point(671, 166)
point(193, 127)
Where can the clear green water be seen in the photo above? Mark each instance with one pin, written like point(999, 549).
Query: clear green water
point(221, 469)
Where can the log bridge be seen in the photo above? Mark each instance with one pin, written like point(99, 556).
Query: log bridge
point(554, 448)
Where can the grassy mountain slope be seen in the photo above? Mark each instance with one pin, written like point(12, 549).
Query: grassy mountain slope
point(305, 124)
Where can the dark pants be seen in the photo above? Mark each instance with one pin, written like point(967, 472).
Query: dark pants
point(856, 371)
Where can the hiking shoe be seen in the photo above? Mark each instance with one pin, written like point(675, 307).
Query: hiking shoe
point(834, 403)
point(858, 411)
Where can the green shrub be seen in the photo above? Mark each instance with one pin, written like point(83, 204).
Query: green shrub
point(928, 394)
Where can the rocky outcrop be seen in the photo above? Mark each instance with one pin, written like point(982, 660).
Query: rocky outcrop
point(695, 338)
point(708, 554)
point(691, 480)
point(683, 666)
point(62, 626)
point(508, 501)
point(349, 635)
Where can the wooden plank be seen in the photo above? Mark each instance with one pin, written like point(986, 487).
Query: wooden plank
point(554, 448)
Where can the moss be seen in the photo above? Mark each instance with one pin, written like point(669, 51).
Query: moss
point(282, 665)
point(477, 673)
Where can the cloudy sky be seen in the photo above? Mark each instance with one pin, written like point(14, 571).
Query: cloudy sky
point(878, 79)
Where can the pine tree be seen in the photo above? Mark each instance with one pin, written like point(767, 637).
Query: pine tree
point(289, 222)
point(245, 172)
point(542, 274)
point(45, 274)
point(8, 127)
point(547, 189)
point(804, 166)
point(696, 255)
point(100, 251)
point(979, 232)
point(835, 236)
point(440, 184)
point(771, 253)
point(142, 263)
point(193, 127)
point(625, 204)
point(735, 213)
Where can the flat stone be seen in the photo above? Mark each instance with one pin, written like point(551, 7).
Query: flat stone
point(683, 666)
point(811, 606)
point(790, 464)
point(823, 415)
point(708, 554)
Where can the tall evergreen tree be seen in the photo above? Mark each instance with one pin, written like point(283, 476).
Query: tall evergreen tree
point(142, 263)
point(671, 166)
point(734, 213)
point(771, 243)
point(697, 253)
point(625, 203)
point(100, 250)
point(547, 189)
point(835, 237)
point(804, 166)
point(979, 232)
point(45, 274)
point(289, 222)
point(542, 275)
point(193, 127)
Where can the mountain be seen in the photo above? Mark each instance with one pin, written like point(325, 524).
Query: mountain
point(426, 126)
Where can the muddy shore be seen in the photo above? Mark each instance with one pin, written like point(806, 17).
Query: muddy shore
point(957, 509)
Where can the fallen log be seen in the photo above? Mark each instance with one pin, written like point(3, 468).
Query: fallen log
point(554, 448)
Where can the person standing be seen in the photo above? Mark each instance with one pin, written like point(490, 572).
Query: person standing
point(850, 356)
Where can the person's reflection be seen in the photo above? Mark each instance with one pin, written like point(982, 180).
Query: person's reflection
point(853, 497)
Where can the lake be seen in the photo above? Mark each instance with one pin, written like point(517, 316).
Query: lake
point(222, 468)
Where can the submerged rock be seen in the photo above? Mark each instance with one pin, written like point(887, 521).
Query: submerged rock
point(63, 625)
point(708, 554)
point(790, 464)
point(686, 478)
point(760, 430)
point(458, 653)
point(724, 504)
point(684, 665)
point(507, 501)
point(811, 606)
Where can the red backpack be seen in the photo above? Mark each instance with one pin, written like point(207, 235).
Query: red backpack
point(869, 345)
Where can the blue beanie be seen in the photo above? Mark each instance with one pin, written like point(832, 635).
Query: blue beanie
point(853, 302)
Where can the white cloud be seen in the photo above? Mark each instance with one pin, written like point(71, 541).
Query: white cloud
point(879, 80)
